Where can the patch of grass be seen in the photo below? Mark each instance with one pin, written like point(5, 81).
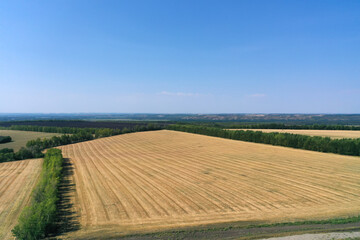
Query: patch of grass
point(327, 221)
point(188, 232)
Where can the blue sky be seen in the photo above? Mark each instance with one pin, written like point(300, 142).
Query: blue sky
point(180, 56)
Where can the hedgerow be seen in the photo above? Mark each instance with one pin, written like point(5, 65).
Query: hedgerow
point(38, 219)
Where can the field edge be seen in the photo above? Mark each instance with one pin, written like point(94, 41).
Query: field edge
point(235, 230)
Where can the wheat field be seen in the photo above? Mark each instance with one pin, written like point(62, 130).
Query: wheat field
point(17, 179)
point(150, 181)
point(20, 138)
point(335, 134)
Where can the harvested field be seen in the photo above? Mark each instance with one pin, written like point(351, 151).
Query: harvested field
point(17, 179)
point(20, 138)
point(336, 134)
point(150, 181)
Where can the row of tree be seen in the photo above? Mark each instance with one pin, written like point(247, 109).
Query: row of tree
point(7, 155)
point(34, 128)
point(285, 126)
point(320, 144)
point(38, 219)
point(59, 140)
point(73, 130)
point(5, 139)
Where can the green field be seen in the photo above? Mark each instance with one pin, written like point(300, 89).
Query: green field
point(20, 138)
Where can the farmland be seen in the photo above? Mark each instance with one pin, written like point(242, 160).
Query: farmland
point(20, 138)
point(17, 180)
point(151, 181)
point(335, 134)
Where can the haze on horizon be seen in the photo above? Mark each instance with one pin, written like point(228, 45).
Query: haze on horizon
point(180, 56)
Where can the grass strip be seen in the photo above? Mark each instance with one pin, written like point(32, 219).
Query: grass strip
point(173, 233)
point(326, 221)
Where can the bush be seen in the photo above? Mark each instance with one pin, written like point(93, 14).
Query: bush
point(5, 139)
point(7, 155)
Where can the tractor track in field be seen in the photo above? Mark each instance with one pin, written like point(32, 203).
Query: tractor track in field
point(163, 180)
point(17, 180)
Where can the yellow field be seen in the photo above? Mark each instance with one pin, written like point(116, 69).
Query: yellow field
point(336, 134)
point(159, 180)
point(20, 138)
point(17, 179)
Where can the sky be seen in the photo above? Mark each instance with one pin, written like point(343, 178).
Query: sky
point(180, 56)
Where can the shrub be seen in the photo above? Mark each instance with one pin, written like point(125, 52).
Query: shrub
point(5, 139)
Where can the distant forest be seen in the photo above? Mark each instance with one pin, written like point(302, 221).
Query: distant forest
point(230, 125)
point(341, 119)
point(83, 124)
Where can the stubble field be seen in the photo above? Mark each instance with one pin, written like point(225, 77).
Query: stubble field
point(335, 134)
point(20, 138)
point(17, 179)
point(150, 181)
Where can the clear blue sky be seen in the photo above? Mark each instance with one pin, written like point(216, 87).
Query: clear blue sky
point(179, 56)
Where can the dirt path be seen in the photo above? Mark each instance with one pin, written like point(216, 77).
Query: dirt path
point(320, 236)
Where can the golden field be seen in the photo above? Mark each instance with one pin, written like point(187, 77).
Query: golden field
point(151, 181)
point(17, 179)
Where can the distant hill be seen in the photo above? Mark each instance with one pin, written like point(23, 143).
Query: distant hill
point(345, 119)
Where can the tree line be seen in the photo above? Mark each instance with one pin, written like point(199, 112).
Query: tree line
point(35, 147)
point(5, 139)
point(285, 126)
point(37, 220)
point(96, 131)
point(320, 144)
